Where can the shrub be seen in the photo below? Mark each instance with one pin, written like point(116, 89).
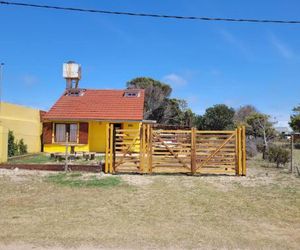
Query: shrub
point(251, 148)
point(278, 155)
point(22, 147)
point(297, 145)
point(12, 148)
point(15, 147)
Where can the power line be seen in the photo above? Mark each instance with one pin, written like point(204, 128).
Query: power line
point(152, 15)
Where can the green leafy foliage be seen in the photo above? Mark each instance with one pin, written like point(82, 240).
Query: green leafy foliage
point(218, 117)
point(15, 147)
point(11, 144)
point(278, 155)
point(158, 104)
point(22, 147)
point(295, 119)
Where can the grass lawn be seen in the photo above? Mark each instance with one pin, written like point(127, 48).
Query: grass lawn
point(45, 159)
point(260, 211)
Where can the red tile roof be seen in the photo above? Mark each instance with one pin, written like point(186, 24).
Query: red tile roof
point(98, 105)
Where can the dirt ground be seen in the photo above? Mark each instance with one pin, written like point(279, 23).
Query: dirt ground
point(260, 211)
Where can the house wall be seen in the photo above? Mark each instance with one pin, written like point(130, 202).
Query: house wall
point(97, 138)
point(3, 143)
point(25, 124)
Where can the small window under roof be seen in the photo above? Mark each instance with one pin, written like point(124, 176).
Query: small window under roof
point(131, 93)
point(75, 92)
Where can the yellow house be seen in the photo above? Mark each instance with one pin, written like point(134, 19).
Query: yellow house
point(80, 117)
point(25, 123)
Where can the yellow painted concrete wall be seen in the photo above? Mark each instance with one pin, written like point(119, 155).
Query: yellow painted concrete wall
point(96, 141)
point(3, 143)
point(58, 148)
point(24, 122)
point(97, 136)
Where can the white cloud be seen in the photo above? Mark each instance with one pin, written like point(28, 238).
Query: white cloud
point(175, 80)
point(282, 48)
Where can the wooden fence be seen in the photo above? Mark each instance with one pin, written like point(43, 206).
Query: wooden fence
point(150, 150)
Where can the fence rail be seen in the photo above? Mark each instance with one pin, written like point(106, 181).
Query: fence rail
point(154, 150)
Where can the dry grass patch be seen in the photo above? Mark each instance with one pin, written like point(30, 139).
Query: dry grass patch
point(260, 211)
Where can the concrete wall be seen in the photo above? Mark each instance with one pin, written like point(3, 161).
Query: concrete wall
point(3, 143)
point(25, 124)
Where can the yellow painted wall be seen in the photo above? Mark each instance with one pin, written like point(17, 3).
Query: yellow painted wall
point(58, 148)
point(24, 122)
point(3, 143)
point(97, 136)
point(96, 141)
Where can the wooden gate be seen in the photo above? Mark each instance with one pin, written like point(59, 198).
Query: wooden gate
point(149, 150)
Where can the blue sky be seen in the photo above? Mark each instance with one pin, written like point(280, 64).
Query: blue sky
point(205, 62)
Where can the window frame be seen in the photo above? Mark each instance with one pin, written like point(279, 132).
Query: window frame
point(67, 130)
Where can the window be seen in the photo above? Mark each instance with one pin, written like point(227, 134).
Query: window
point(131, 93)
point(61, 130)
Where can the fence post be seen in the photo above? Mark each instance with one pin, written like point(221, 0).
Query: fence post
point(112, 151)
point(292, 149)
point(237, 151)
point(142, 148)
point(66, 153)
point(107, 156)
point(244, 150)
point(150, 149)
point(193, 150)
point(240, 152)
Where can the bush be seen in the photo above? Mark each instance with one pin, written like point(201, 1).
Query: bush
point(15, 147)
point(22, 147)
point(278, 155)
point(297, 145)
point(12, 148)
point(251, 148)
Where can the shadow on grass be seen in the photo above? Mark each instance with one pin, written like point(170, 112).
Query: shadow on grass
point(77, 180)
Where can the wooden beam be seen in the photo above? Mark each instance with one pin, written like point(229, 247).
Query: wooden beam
point(111, 163)
point(107, 152)
point(193, 151)
point(244, 150)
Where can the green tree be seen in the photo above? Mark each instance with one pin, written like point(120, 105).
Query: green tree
point(158, 104)
point(156, 94)
point(259, 125)
point(295, 119)
point(278, 155)
point(12, 146)
point(242, 113)
point(218, 117)
point(22, 147)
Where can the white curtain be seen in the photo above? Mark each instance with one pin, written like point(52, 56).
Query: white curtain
point(60, 133)
point(73, 132)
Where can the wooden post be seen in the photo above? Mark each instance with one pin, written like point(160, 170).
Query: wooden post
point(107, 150)
point(142, 145)
point(150, 167)
point(237, 151)
point(193, 151)
point(292, 149)
point(240, 151)
point(111, 146)
point(244, 150)
point(66, 154)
